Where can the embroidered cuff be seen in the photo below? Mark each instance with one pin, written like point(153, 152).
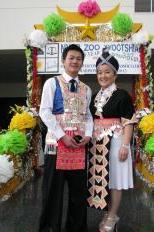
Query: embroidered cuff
point(126, 121)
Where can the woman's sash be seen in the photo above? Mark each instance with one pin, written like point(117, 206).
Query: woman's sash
point(98, 173)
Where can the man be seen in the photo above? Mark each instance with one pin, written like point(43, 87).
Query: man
point(65, 111)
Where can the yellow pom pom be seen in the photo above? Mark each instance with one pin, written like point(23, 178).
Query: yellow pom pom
point(22, 121)
point(146, 124)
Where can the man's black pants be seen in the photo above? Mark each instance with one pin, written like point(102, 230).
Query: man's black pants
point(52, 194)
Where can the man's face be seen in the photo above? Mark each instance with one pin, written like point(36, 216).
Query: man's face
point(73, 63)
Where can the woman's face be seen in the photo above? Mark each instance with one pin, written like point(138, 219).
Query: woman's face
point(105, 76)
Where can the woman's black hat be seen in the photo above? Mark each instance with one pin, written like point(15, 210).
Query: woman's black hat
point(107, 58)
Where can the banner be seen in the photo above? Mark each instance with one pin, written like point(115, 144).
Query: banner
point(127, 54)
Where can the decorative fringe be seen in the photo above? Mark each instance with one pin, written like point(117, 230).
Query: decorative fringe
point(144, 77)
point(10, 187)
point(36, 83)
point(144, 174)
point(23, 172)
point(103, 33)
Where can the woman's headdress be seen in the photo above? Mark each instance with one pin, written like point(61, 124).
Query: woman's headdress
point(107, 58)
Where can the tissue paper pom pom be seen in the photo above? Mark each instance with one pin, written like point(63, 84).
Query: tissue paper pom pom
point(149, 146)
point(122, 24)
point(146, 124)
point(22, 121)
point(13, 142)
point(54, 24)
point(140, 37)
point(37, 39)
point(6, 169)
point(89, 8)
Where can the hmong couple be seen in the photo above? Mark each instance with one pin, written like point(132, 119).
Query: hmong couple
point(74, 120)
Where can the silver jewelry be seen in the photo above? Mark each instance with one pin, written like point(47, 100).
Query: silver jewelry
point(103, 97)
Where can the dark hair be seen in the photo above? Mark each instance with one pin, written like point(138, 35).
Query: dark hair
point(72, 47)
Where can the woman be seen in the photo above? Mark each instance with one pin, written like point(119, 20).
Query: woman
point(110, 166)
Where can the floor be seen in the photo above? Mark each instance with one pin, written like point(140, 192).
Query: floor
point(20, 213)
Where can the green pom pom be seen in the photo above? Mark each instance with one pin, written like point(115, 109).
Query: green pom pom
point(53, 24)
point(149, 146)
point(13, 142)
point(122, 24)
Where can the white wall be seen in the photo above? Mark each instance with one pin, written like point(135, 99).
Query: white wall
point(17, 17)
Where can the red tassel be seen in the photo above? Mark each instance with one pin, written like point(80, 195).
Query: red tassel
point(144, 77)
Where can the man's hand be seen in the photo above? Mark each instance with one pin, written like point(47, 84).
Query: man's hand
point(69, 141)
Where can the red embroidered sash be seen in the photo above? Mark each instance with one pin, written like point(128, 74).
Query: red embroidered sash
point(70, 158)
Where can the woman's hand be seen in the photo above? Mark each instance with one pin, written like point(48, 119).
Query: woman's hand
point(84, 141)
point(123, 152)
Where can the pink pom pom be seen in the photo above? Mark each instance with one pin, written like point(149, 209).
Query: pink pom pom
point(89, 8)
